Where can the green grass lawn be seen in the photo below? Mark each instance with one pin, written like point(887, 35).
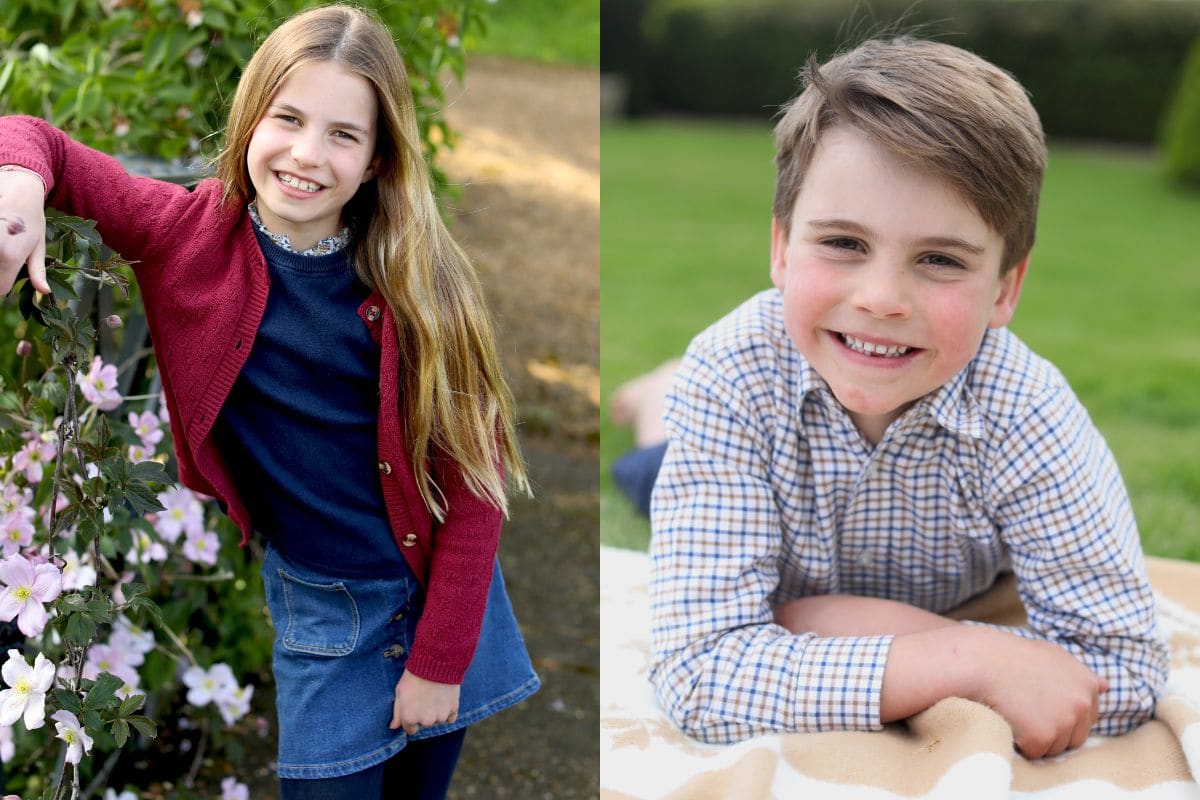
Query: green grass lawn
point(558, 31)
point(1111, 295)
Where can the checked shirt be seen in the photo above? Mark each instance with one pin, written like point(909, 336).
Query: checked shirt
point(768, 493)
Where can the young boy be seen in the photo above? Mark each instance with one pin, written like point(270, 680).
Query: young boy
point(866, 446)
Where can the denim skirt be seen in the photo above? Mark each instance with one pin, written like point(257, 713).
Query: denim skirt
point(340, 648)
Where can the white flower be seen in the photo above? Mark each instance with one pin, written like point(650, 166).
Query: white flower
point(99, 386)
point(194, 19)
point(145, 550)
point(26, 588)
point(236, 704)
point(111, 794)
point(71, 732)
point(195, 58)
point(201, 547)
point(205, 686)
point(27, 697)
point(181, 512)
point(131, 640)
point(77, 572)
point(232, 790)
point(8, 747)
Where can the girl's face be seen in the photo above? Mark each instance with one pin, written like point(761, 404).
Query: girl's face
point(312, 149)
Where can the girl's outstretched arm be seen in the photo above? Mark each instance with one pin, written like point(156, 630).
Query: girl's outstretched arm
point(22, 228)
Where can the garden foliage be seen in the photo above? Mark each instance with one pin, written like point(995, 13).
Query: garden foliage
point(133, 611)
point(1181, 129)
point(1094, 70)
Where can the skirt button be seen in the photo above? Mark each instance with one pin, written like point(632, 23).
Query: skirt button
point(410, 540)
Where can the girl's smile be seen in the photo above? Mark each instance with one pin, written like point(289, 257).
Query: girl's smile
point(312, 150)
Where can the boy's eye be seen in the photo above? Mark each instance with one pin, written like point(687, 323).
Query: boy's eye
point(939, 260)
point(843, 243)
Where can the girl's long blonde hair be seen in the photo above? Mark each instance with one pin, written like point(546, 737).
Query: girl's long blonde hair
point(453, 397)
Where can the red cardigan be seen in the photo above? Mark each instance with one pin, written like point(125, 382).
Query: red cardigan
point(204, 285)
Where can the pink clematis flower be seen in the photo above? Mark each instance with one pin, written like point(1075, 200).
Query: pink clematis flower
point(147, 427)
point(27, 587)
point(32, 457)
point(232, 790)
point(201, 547)
point(99, 386)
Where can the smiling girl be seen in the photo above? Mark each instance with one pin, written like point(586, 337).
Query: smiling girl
point(331, 377)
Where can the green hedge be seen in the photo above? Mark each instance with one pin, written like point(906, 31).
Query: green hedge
point(1095, 70)
point(1181, 132)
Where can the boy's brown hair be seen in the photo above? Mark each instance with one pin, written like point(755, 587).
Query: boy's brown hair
point(935, 106)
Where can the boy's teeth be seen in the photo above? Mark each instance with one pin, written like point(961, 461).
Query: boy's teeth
point(867, 348)
point(296, 183)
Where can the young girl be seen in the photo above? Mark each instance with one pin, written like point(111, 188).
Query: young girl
point(329, 369)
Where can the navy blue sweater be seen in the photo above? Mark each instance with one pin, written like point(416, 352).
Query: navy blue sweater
point(299, 428)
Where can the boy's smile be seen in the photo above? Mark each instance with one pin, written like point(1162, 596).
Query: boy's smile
point(312, 150)
point(889, 278)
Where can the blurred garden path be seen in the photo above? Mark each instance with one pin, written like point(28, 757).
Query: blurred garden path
point(528, 160)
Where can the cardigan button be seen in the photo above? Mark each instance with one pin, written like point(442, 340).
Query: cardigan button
point(373, 313)
point(410, 540)
point(385, 468)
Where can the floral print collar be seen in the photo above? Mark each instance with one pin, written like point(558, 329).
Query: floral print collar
point(327, 246)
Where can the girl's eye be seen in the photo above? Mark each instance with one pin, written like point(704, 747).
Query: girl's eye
point(288, 118)
point(344, 135)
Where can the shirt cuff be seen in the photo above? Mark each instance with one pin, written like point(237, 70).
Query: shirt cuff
point(841, 682)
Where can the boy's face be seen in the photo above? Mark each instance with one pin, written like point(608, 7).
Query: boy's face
point(889, 278)
point(312, 150)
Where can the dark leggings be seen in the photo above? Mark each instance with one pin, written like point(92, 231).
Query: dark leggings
point(421, 771)
point(635, 473)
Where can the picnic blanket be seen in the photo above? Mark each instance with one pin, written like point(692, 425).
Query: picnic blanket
point(955, 749)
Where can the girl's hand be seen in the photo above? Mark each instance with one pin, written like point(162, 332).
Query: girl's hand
point(422, 704)
point(22, 230)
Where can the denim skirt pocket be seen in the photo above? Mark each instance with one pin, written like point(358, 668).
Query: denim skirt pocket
point(322, 618)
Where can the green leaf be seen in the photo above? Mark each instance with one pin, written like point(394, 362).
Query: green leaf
point(68, 700)
point(103, 693)
point(60, 284)
point(131, 704)
point(120, 731)
point(80, 630)
point(145, 726)
point(151, 472)
point(142, 498)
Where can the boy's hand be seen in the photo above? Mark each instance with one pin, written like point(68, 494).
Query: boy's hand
point(421, 704)
point(1050, 699)
point(22, 230)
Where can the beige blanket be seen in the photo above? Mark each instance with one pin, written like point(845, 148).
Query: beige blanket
point(956, 749)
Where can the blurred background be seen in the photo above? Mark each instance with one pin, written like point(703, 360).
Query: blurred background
point(690, 88)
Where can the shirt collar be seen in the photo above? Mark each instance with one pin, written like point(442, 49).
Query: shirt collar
point(327, 246)
point(952, 405)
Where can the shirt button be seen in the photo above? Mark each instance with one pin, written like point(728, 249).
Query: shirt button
point(385, 468)
point(372, 313)
point(410, 540)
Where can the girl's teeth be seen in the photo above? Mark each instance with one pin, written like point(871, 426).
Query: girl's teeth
point(870, 349)
point(296, 183)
